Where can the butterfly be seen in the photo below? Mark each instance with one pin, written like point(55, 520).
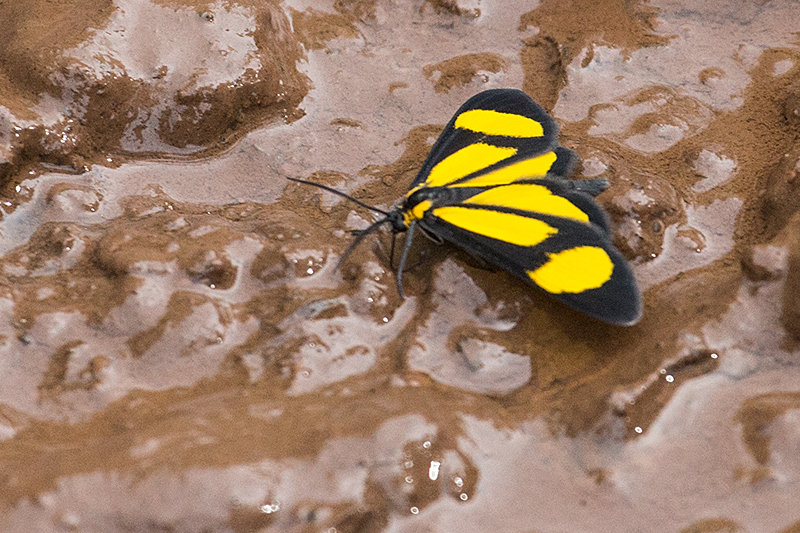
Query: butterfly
point(495, 183)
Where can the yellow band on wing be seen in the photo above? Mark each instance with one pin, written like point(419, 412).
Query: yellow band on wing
point(497, 123)
point(530, 197)
point(529, 168)
point(574, 270)
point(506, 227)
point(466, 161)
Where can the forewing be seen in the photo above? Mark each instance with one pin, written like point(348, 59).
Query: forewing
point(492, 130)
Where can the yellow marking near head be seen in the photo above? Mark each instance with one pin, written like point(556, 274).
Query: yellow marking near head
point(419, 210)
point(514, 229)
point(574, 270)
point(469, 159)
point(528, 168)
point(416, 212)
point(530, 197)
point(497, 123)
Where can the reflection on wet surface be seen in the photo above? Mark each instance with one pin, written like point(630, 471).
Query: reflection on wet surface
point(178, 350)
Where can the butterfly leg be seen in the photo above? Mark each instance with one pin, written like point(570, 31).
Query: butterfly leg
point(391, 250)
point(359, 237)
point(406, 248)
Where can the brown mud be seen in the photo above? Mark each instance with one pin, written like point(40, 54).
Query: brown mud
point(178, 351)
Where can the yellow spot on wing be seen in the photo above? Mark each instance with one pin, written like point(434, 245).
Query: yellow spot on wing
point(528, 168)
point(530, 197)
point(466, 161)
point(574, 270)
point(514, 229)
point(497, 123)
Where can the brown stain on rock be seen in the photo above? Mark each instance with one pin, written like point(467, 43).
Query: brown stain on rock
point(34, 32)
point(790, 314)
point(781, 197)
point(360, 10)
point(578, 24)
point(544, 70)
point(217, 430)
point(315, 28)
point(450, 7)
point(756, 414)
point(713, 525)
point(793, 528)
point(459, 71)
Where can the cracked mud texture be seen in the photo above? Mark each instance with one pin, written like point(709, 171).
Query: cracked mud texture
point(178, 351)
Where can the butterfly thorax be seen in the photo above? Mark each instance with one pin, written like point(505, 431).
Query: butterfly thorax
point(419, 201)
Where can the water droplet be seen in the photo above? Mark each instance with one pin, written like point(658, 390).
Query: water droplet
point(458, 481)
point(310, 271)
point(714, 356)
point(463, 496)
point(409, 479)
point(414, 510)
point(426, 444)
point(637, 429)
point(433, 470)
point(385, 319)
point(669, 379)
point(269, 508)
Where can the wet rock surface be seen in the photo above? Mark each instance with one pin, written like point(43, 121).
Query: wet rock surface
point(132, 79)
point(178, 350)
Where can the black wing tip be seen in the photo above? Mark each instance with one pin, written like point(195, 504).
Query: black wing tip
point(619, 316)
point(627, 319)
point(623, 312)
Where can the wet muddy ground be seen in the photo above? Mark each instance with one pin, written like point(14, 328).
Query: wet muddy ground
point(177, 352)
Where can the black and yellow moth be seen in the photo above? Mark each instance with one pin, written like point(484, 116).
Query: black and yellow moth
point(495, 183)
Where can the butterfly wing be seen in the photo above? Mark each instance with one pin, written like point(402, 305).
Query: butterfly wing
point(544, 235)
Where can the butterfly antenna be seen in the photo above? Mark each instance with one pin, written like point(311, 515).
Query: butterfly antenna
point(340, 193)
